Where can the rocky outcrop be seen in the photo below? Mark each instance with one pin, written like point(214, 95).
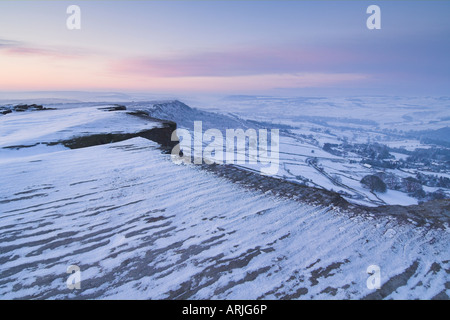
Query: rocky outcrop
point(161, 135)
point(435, 213)
point(116, 107)
point(22, 108)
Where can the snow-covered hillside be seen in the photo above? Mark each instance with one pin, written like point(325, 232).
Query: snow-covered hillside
point(139, 226)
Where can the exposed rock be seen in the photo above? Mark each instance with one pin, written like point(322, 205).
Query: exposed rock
point(116, 107)
point(160, 135)
point(436, 212)
point(22, 108)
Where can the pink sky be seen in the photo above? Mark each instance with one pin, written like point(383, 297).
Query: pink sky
point(224, 46)
point(37, 68)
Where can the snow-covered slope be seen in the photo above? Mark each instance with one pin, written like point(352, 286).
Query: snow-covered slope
point(140, 226)
point(307, 124)
point(30, 128)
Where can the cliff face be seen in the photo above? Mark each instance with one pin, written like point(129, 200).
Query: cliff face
point(161, 135)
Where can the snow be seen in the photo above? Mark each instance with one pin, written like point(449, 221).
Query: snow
point(399, 156)
point(398, 197)
point(141, 227)
point(314, 121)
point(29, 128)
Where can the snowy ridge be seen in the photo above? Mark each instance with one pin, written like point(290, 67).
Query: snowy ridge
point(185, 116)
point(130, 219)
point(307, 125)
point(29, 128)
point(141, 227)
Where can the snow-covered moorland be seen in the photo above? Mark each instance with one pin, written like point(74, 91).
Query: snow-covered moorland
point(141, 227)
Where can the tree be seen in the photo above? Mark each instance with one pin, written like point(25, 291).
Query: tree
point(391, 180)
point(411, 185)
point(374, 183)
